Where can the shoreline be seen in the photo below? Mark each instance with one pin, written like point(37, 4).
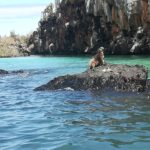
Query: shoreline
point(73, 55)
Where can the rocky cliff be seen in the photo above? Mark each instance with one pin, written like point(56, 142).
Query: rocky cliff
point(81, 26)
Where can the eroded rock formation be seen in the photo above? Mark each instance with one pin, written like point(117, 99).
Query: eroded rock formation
point(109, 76)
point(81, 26)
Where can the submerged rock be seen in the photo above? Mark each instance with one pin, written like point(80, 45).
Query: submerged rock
point(3, 72)
point(17, 72)
point(109, 76)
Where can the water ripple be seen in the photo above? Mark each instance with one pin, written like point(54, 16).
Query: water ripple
point(66, 119)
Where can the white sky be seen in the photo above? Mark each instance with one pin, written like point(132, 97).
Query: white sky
point(21, 16)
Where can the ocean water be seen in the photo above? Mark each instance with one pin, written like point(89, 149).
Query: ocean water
point(66, 119)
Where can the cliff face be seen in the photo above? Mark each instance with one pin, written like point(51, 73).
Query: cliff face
point(81, 26)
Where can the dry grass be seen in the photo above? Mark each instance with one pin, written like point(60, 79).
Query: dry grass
point(8, 46)
point(9, 53)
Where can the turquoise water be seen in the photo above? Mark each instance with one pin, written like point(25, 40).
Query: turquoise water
point(69, 120)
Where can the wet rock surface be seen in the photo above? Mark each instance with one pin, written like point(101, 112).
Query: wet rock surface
point(148, 84)
point(17, 72)
point(81, 26)
point(4, 72)
point(109, 76)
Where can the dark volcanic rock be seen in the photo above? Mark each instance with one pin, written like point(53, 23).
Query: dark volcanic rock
point(148, 84)
point(81, 26)
point(3, 72)
point(17, 72)
point(117, 77)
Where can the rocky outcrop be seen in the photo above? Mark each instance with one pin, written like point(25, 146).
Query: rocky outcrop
point(109, 76)
point(4, 72)
point(23, 49)
point(148, 85)
point(81, 26)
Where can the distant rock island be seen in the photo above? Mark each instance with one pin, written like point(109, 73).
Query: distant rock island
point(81, 26)
point(106, 77)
